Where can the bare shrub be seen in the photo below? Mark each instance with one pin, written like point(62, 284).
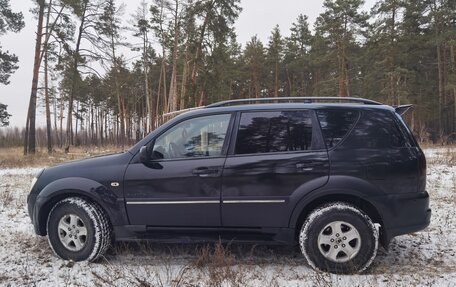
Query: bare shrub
point(218, 263)
point(163, 274)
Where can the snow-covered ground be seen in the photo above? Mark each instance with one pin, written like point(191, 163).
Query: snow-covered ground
point(427, 258)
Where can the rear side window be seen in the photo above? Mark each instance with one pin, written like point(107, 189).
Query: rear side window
point(274, 131)
point(335, 124)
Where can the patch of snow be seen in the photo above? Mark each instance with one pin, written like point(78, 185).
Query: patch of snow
point(20, 171)
point(426, 258)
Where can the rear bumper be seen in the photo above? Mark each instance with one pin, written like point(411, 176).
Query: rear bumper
point(404, 213)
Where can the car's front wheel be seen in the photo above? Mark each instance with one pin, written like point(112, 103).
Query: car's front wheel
point(339, 238)
point(78, 230)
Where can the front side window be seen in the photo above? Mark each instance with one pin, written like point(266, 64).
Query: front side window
point(274, 131)
point(197, 137)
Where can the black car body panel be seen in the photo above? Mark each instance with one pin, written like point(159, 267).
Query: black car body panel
point(375, 163)
point(173, 181)
point(90, 178)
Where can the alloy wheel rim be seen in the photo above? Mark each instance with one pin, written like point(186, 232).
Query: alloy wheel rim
point(339, 241)
point(72, 232)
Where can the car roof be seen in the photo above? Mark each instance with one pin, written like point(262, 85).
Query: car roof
point(282, 106)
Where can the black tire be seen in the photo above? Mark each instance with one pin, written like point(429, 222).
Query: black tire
point(91, 221)
point(322, 226)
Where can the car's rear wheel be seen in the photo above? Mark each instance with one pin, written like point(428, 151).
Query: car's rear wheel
point(78, 230)
point(339, 238)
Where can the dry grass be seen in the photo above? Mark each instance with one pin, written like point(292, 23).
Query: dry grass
point(218, 264)
point(14, 157)
point(445, 156)
point(6, 198)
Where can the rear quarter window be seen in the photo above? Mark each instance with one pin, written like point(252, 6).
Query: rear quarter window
point(376, 129)
point(335, 124)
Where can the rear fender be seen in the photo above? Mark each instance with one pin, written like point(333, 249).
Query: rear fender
point(336, 188)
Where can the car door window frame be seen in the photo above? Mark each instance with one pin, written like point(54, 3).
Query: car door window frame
point(317, 137)
point(226, 141)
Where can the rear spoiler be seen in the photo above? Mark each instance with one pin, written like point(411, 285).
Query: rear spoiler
point(401, 110)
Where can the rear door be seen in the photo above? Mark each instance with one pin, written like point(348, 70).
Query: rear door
point(273, 154)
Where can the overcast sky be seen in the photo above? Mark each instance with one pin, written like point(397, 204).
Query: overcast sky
point(257, 18)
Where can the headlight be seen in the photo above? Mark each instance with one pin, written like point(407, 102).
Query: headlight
point(33, 183)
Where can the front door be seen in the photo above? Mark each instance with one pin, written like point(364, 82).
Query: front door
point(181, 183)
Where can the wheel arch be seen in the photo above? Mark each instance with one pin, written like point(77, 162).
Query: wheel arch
point(47, 206)
point(85, 188)
point(363, 204)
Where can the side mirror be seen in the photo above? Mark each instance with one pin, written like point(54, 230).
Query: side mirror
point(148, 160)
point(143, 154)
point(145, 157)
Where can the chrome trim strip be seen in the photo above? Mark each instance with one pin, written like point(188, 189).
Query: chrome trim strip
point(174, 202)
point(255, 201)
point(206, 201)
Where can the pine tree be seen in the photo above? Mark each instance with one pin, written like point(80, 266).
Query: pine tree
point(341, 23)
point(297, 58)
point(9, 21)
point(108, 26)
point(142, 28)
point(274, 60)
point(4, 116)
point(29, 138)
point(254, 59)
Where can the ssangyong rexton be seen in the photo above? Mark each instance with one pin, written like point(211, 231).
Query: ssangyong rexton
point(335, 175)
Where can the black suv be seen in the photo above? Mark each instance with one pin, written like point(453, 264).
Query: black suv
point(334, 175)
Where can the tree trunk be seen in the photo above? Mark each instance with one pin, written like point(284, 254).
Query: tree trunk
point(199, 48)
point(29, 138)
point(441, 88)
point(121, 134)
point(172, 102)
point(150, 115)
point(69, 126)
point(446, 120)
point(393, 83)
point(347, 76)
point(62, 105)
point(341, 70)
point(164, 94)
point(184, 81)
point(76, 124)
point(46, 85)
point(54, 106)
point(453, 67)
point(276, 80)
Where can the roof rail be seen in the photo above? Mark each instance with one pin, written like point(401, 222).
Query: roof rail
point(293, 99)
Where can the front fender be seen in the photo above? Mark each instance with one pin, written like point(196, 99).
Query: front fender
point(80, 187)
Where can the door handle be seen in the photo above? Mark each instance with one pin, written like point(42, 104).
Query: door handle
point(206, 171)
point(308, 166)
